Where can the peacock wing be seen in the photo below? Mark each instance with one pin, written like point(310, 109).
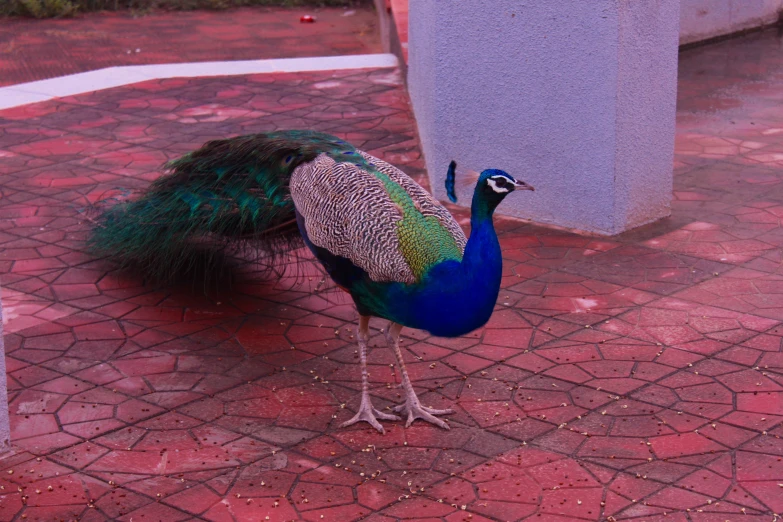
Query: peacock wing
point(425, 202)
point(358, 212)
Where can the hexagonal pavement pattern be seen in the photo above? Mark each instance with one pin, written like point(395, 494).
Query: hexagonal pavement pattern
point(638, 377)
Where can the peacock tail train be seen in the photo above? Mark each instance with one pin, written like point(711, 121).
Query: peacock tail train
point(226, 193)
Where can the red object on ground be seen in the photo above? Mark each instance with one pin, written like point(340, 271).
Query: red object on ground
point(132, 401)
point(307, 19)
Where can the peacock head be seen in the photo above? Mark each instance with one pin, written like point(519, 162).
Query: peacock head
point(497, 184)
point(492, 187)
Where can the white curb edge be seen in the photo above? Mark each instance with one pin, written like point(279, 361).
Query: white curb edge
point(42, 90)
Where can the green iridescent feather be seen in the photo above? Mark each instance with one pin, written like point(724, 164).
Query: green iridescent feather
point(416, 231)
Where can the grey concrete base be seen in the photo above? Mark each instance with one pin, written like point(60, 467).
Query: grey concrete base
point(5, 426)
point(577, 98)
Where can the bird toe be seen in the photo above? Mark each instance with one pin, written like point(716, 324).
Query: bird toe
point(385, 416)
point(417, 411)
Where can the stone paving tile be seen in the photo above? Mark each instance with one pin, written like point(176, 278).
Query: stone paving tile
point(636, 377)
point(37, 49)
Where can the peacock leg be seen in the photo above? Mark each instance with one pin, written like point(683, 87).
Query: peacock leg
point(412, 407)
point(366, 411)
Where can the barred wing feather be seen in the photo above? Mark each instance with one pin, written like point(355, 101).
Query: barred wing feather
point(376, 216)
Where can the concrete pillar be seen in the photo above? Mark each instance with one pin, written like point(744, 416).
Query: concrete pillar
point(5, 425)
point(576, 97)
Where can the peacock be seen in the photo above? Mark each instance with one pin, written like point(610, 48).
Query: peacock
point(378, 234)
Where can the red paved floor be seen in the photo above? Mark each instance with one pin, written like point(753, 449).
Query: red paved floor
point(638, 377)
point(37, 49)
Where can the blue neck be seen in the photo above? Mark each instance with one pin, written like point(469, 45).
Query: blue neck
point(481, 268)
point(483, 247)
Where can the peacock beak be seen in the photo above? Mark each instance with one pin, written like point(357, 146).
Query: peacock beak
point(521, 185)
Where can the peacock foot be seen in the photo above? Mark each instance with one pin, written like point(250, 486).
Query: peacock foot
point(414, 410)
point(370, 415)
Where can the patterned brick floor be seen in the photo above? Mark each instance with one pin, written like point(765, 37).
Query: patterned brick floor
point(632, 378)
point(37, 49)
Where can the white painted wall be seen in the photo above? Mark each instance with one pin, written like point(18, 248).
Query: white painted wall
point(703, 19)
point(577, 98)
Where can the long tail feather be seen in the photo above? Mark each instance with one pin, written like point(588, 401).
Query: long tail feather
point(223, 195)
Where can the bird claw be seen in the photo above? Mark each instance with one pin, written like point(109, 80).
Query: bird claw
point(370, 415)
point(415, 410)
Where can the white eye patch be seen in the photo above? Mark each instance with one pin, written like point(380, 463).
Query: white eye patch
point(494, 184)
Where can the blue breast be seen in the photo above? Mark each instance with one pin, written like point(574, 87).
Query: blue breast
point(445, 309)
point(452, 299)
